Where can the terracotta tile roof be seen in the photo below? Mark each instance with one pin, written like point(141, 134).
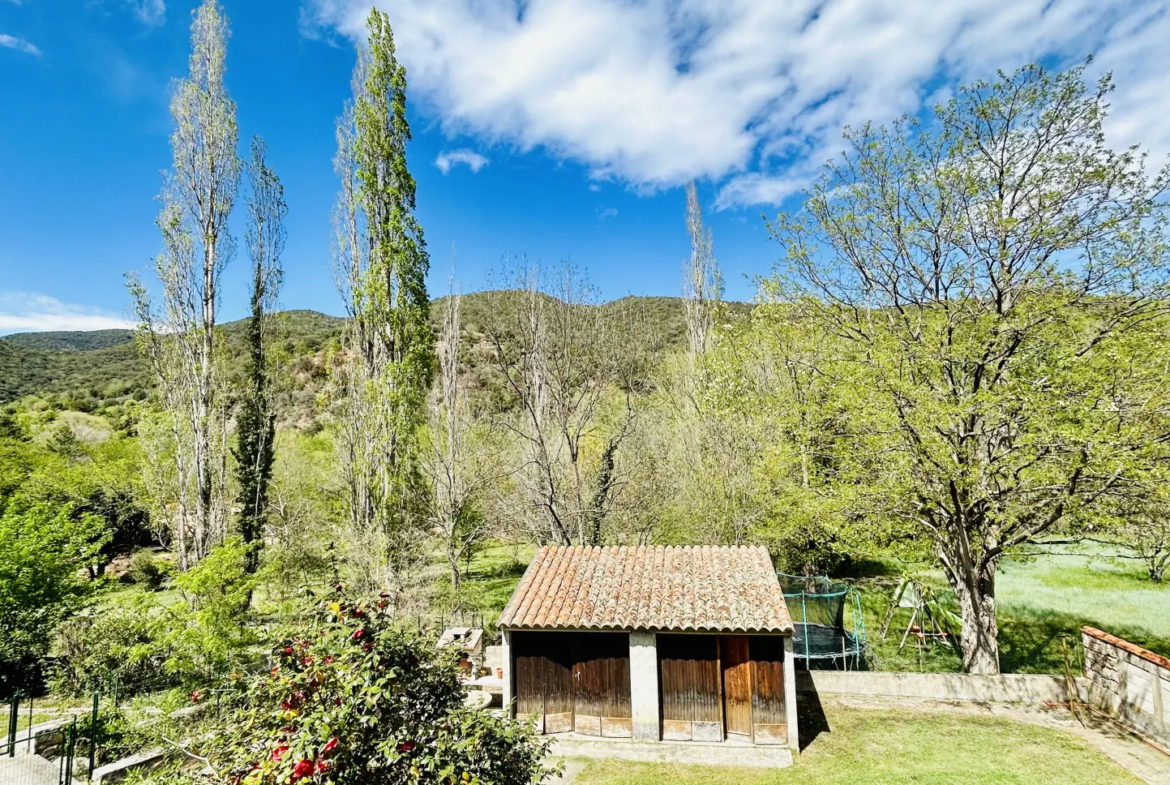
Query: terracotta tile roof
point(704, 589)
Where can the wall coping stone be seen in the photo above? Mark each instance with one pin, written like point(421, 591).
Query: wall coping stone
point(1132, 648)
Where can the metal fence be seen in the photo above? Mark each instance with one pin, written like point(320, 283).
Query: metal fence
point(58, 750)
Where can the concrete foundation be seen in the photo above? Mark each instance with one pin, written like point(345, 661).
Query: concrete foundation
point(690, 753)
point(644, 685)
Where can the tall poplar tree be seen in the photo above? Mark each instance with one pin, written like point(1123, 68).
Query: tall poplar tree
point(256, 421)
point(388, 352)
point(180, 342)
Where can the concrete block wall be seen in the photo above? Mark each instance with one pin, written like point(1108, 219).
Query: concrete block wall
point(1005, 688)
point(1129, 682)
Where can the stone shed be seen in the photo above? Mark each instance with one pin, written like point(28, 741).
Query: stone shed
point(652, 643)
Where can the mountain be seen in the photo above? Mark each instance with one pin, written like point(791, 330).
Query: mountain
point(93, 370)
point(77, 341)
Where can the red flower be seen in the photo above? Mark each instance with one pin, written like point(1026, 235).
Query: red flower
point(358, 634)
point(275, 671)
point(383, 603)
point(285, 705)
point(358, 613)
point(383, 594)
point(278, 753)
point(322, 765)
point(307, 661)
point(303, 769)
point(330, 746)
point(328, 660)
point(406, 746)
point(367, 646)
point(288, 650)
point(195, 696)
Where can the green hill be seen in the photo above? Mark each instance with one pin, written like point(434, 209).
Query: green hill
point(91, 370)
point(78, 341)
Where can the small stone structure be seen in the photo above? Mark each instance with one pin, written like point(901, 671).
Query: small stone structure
point(652, 644)
point(1129, 682)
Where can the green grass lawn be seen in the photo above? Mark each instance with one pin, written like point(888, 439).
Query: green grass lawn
point(893, 747)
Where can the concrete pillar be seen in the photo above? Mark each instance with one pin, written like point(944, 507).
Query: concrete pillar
point(509, 670)
point(644, 685)
point(790, 694)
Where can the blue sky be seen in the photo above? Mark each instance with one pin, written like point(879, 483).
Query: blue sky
point(563, 129)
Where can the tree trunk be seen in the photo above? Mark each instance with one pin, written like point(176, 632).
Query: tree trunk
point(979, 638)
point(453, 561)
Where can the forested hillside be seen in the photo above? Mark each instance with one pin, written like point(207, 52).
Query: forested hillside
point(90, 371)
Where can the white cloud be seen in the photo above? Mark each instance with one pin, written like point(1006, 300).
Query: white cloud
point(608, 212)
point(750, 94)
point(28, 312)
point(19, 44)
point(450, 158)
point(151, 13)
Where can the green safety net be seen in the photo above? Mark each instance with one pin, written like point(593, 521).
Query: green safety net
point(827, 616)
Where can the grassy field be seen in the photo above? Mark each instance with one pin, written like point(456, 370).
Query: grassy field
point(894, 747)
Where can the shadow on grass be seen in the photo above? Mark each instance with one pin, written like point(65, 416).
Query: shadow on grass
point(811, 718)
point(1034, 641)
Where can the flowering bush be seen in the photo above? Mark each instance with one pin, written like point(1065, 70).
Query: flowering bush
point(352, 699)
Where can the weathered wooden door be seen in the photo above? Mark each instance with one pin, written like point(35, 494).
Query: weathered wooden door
point(601, 700)
point(544, 681)
point(530, 689)
point(737, 684)
point(692, 705)
point(769, 716)
point(558, 685)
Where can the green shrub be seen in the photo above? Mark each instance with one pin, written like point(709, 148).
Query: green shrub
point(353, 699)
point(117, 648)
point(149, 570)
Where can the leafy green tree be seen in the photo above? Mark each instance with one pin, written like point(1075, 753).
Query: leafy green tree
point(256, 422)
point(209, 634)
point(388, 345)
point(982, 273)
point(44, 547)
point(352, 699)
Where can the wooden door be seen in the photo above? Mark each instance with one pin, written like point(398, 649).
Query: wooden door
point(692, 706)
point(737, 684)
point(558, 685)
point(544, 680)
point(530, 671)
point(601, 688)
point(769, 715)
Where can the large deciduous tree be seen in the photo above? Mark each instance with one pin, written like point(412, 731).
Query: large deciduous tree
point(388, 355)
point(256, 421)
point(180, 341)
point(983, 272)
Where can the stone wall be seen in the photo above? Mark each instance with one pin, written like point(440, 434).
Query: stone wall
point(1129, 682)
point(1005, 688)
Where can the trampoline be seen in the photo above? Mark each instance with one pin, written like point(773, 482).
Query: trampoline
point(819, 607)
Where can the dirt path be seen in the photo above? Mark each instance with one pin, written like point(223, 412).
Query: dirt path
point(1128, 751)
